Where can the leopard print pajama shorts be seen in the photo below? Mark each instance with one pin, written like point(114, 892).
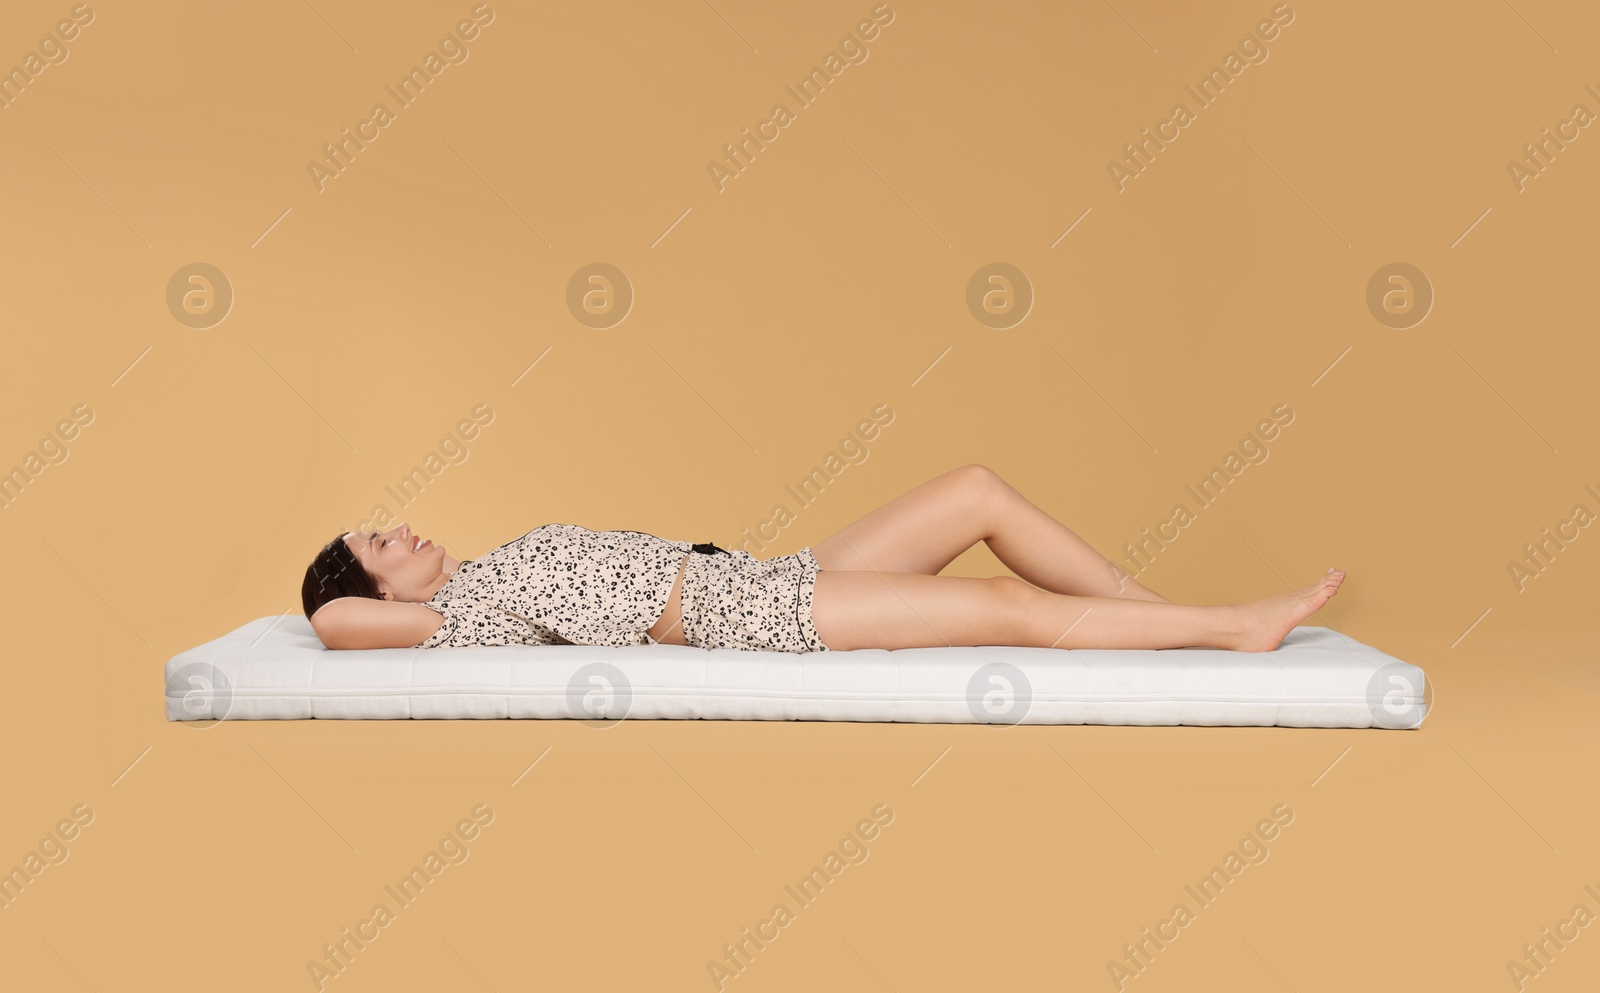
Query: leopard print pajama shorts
point(731, 599)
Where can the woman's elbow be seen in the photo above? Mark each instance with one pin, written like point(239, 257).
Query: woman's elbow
point(327, 633)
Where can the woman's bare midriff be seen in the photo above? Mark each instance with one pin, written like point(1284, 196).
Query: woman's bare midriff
point(667, 630)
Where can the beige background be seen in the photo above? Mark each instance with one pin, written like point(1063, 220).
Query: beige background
point(768, 320)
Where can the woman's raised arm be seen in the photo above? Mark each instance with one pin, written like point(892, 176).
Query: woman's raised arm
point(362, 622)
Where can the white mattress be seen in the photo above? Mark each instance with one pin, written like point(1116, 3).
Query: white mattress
point(275, 668)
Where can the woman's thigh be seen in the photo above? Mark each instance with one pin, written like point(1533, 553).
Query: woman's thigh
point(922, 530)
point(911, 610)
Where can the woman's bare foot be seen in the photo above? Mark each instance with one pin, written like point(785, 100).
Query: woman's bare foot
point(1265, 623)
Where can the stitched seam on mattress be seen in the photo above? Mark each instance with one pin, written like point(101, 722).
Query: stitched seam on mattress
point(244, 692)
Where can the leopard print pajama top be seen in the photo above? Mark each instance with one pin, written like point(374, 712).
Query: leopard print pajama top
point(561, 584)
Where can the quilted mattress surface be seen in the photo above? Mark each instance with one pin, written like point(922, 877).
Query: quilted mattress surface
point(275, 668)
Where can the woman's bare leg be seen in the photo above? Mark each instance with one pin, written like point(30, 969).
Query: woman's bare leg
point(892, 610)
point(923, 530)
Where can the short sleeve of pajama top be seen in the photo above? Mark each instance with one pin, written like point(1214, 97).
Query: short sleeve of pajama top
point(559, 584)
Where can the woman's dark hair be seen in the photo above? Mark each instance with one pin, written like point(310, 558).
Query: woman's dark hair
point(335, 573)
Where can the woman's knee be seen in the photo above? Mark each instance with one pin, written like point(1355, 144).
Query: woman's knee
point(1010, 588)
point(1014, 606)
point(982, 494)
point(979, 476)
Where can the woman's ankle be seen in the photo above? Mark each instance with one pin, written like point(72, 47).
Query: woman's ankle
point(1236, 622)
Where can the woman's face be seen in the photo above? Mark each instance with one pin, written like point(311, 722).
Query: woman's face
point(404, 566)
